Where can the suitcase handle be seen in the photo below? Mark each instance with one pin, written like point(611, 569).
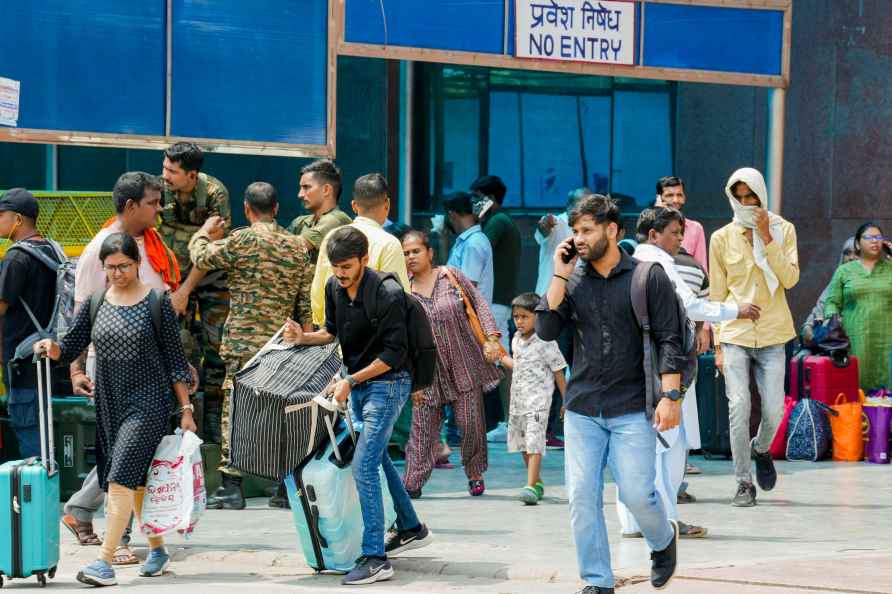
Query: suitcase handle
point(45, 392)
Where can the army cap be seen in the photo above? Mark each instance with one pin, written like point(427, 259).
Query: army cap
point(21, 201)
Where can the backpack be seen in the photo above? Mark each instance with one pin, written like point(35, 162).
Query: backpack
point(63, 307)
point(422, 348)
point(652, 364)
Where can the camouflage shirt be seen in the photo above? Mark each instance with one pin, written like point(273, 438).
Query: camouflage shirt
point(179, 222)
point(270, 274)
point(314, 230)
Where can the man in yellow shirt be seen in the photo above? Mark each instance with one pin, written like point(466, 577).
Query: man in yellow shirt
point(371, 203)
point(753, 259)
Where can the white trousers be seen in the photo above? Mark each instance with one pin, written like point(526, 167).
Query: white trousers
point(670, 473)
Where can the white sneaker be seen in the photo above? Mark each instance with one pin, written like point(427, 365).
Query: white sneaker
point(499, 434)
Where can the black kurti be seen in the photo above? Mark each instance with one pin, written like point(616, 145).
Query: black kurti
point(133, 384)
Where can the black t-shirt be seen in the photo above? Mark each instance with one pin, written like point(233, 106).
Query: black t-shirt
point(24, 277)
point(362, 343)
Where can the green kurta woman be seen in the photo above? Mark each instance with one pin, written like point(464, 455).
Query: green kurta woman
point(861, 291)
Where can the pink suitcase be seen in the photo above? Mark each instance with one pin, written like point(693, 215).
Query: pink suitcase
point(824, 379)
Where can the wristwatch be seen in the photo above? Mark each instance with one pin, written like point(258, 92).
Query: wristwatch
point(189, 407)
point(673, 395)
point(351, 381)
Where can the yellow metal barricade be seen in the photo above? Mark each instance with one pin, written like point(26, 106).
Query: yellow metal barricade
point(71, 218)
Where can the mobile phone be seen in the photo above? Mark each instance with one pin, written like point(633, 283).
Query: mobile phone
point(570, 253)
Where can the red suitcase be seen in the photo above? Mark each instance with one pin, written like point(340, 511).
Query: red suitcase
point(823, 378)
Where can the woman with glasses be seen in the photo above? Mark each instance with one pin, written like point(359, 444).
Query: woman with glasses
point(139, 363)
point(861, 291)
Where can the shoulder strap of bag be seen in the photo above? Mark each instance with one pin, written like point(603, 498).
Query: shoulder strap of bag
point(639, 306)
point(201, 191)
point(155, 298)
point(40, 255)
point(96, 300)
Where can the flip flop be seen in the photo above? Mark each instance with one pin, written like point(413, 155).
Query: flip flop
point(82, 531)
point(691, 469)
point(124, 556)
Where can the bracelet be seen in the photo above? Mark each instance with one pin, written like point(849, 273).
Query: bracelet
point(563, 278)
point(190, 407)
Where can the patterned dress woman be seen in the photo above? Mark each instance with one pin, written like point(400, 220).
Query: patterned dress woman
point(463, 373)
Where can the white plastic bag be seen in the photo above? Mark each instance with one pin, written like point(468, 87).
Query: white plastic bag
point(175, 495)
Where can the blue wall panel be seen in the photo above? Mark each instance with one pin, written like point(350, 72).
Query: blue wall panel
point(251, 71)
point(460, 25)
point(86, 65)
point(712, 38)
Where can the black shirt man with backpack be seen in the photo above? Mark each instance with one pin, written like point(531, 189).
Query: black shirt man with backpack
point(28, 309)
point(387, 344)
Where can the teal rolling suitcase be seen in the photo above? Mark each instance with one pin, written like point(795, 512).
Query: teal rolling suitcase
point(29, 503)
point(325, 504)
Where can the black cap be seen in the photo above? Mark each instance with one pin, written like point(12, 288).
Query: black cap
point(21, 201)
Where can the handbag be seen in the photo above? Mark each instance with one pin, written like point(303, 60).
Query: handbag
point(848, 439)
point(830, 339)
point(808, 436)
point(473, 319)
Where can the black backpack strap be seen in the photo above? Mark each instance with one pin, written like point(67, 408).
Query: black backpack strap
point(370, 294)
point(639, 306)
point(95, 303)
point(40, 255)
point(156, 296)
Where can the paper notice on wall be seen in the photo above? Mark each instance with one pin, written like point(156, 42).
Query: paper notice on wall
point(9, 101)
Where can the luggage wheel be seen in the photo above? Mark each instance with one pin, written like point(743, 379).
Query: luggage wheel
point(1, 581)
point(41, 579)
point(52, 573)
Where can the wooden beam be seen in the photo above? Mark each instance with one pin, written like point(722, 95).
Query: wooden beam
point(335, 34)
point(392, 52)
point(135, 141)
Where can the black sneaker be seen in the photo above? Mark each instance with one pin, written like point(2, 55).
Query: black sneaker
point(368, 570)
point(746, 495)
point(595, 590)
point(662, 566)
point(766, 475)
point(414, 493)
point(397, 541)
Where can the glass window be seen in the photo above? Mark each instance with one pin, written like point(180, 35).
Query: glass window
point(544, 134)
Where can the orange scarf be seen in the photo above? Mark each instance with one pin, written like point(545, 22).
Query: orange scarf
point(161, 257)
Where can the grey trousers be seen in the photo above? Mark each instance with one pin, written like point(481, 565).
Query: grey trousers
point(768, 364)
point(84, 504)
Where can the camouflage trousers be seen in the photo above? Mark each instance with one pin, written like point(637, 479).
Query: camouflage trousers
point(232, 367)
point(201, 332)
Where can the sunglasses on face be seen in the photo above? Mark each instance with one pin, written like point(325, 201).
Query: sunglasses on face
point(873, 238)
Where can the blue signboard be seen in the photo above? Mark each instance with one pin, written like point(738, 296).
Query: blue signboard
point(252, 71)
point(86, 65)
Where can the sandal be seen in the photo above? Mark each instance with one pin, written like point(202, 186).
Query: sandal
point(540, 490)
point(685, 497)
point(82, 531)
point(691, 469)
point(476, 487)
point(124, 556)
point(691, 531)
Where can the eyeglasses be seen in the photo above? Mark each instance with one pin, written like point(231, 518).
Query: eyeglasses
point(873, 238)
point(120, 268)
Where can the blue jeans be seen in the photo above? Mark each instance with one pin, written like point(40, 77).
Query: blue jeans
point(378, 403)
point(23, 417)
point(626, 444)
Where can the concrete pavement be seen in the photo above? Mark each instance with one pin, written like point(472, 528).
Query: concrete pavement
point(827, 527)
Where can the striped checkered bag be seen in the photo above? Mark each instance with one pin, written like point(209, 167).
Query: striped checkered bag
point(274, 421)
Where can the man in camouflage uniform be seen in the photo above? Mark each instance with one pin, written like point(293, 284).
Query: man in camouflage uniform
point(270, 274)
point(202, 300)
point(320, 189)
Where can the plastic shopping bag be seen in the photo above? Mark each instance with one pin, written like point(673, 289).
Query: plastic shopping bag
point(175, 495)
point(848, 440)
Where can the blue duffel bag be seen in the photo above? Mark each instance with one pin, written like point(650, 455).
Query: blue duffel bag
point(808, 434)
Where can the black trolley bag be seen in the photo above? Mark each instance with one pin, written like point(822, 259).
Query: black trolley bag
point(274, 422)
